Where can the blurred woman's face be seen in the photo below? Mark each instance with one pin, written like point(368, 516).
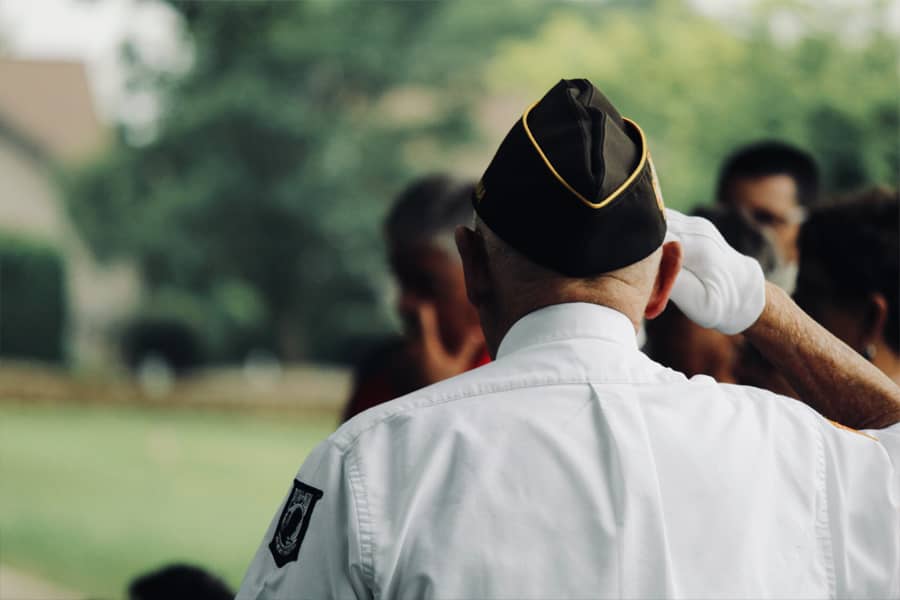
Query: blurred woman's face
point(839, 316)
point(427, 274)
point(844, 323)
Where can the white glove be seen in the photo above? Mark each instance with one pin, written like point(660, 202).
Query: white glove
point(718, 287)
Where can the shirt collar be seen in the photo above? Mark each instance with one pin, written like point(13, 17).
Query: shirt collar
point(567, 321)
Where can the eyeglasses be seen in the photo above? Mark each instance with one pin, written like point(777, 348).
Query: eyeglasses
point(767, 218)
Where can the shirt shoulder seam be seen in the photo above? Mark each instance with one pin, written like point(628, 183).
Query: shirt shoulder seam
point(424, 401)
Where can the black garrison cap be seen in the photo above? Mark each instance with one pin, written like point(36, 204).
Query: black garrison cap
point(572, 186)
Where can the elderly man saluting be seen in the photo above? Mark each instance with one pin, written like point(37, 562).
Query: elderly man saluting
point(575, 467)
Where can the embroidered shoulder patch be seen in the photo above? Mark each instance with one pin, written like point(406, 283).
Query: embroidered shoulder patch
point(292, 524)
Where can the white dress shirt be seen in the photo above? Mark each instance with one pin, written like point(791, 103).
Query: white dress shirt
point(574, 466)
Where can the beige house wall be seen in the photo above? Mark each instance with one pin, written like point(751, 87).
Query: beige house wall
point(28, 198)
point(101, 296)
point(49, 101)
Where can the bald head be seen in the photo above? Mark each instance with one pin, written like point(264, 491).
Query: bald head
point(505, 286)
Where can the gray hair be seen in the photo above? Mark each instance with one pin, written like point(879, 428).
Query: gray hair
point(429, 210)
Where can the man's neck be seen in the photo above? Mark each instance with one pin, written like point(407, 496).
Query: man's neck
point(613, 293)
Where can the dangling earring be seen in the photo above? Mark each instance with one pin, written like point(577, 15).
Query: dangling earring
point(869, 352)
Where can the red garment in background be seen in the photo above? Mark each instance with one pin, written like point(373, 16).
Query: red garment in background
point(385, 376)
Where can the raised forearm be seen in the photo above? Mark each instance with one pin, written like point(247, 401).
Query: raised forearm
point(826, 373)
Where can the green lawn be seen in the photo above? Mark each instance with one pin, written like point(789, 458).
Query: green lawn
point(92, 496)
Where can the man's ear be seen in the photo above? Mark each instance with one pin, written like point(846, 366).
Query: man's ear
point(471, 248)
point(669, 266)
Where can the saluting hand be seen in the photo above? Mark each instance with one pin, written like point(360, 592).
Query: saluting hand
point(718, 287)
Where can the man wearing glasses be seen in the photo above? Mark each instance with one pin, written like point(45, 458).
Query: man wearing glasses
point(773, 185)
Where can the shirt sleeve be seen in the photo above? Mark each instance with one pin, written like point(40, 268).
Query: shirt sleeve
point(863, 508)
point(311, 548)
point(890, 439)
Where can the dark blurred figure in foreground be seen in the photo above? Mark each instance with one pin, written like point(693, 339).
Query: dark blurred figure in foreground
point(850, 274)
point(677, 342)
point(442, 335)
point(179, 582)
point(774, 185)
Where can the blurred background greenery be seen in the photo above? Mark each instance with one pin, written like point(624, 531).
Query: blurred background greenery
point(244, 219)
point(258, 198)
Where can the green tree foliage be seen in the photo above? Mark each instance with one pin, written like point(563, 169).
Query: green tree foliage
point(261, 195)
point(700, 88)
point(279, 151)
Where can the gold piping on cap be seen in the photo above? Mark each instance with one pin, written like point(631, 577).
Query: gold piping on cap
point(617, 192)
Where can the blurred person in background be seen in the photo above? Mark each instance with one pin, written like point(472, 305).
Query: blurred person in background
point(850, 274)
point(441, 333)
point(179, 582)
point(774, 185)
point(677, 342)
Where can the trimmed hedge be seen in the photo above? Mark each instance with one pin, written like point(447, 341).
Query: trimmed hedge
point(32, 300)
point(172, 339)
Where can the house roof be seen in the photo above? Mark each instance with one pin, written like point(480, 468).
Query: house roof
point(49, 103)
